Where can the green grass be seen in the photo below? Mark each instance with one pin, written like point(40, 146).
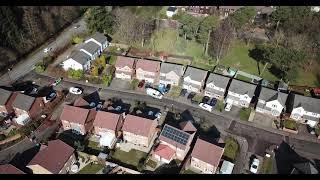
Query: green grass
point(238, 57)
point(152, 164)
point(243, 78)
point(244, 113)
point(290, 124)
point(317, 130)
point(134, 84)
point(94, 145)
point(91, 169)
point(202, 65)
point(174, 91)
point(231, 148)
point(266, 165)
point(309, 77)
point(219, 106)
point(197, 98)
point(188, 171)
point(112, 60)
point(132, 157)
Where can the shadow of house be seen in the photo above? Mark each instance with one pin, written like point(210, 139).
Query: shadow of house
point(70, 138)
point(89, 101)
point(286, 158)
point(21, 160)
point(186, 115)
point(171, 168)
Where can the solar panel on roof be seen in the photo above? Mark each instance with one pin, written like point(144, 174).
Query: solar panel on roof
point(175, 135)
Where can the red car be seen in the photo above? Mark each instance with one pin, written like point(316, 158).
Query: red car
point(141, 83)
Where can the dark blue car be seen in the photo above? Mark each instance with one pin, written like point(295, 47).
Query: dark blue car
point(213, 102)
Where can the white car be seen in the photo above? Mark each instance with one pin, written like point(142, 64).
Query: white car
point(254, 166)
point(154, 93)
point(75, 90)
point(206, 107)
point(46, 50)
point(228, 107)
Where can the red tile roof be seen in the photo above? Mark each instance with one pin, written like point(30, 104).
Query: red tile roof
point(187, 126)
point(74, 114)
point(207, 152)
point(10, 169)
point(148, 65)
point(80, 102)
point(53, 157)
point(164, 151)
point(138, 125)
point(124, 61)
point(106, 120)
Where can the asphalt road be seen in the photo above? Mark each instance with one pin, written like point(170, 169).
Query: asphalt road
point(26, 65)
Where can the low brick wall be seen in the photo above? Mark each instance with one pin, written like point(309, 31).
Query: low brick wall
point(290, 130)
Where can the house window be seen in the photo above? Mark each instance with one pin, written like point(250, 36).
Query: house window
point(274, 106)
point(314, 114)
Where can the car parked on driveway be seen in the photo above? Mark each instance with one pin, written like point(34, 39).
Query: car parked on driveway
point(254, 166)
point(205, 99)
point(141, 83)
point(191, 95)
point(228, 107)
point(213, 102)
point(206, 107)
point(183, 92)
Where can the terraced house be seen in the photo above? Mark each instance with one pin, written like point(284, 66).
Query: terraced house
point(124, 68)
point(193, 79)
point(240, 93)
point(216, 86)
point(147, 70)
point(305, 109)
point(271, 102)
point(171, 73)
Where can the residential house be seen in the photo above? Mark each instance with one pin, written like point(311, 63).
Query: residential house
point(216, 86)
point(79, 120)
point(124, 68)
point(6, 99)
point(100, 40)
point(139, 131)
point(198, 11)
point(271, 102)
point(171, 73)
point(172, 10)
point(304, 168)
point(205, 157)
point(240, 93)
point(55, 158)
point(193, 79)
point(174, 144)
point(9, 169)
point(78, 60)
point(305, 109)
point(225, 11)
point(92, 49)
point(147, 70)
point(106, 127)
point(26, 108)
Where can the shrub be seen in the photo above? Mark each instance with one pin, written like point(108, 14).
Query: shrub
point(219, 106)
point(106, 79)
point(75, 74)
point(244, 113)
point(94, 70)
point(112, 60)
point(134, 84)
point(39, 68)
point(231, 148)
point(290, 124)
point(2, 137)
point(77, 40)
point(102, 61)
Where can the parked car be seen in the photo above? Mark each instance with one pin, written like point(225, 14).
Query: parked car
point(154, 93)
point(205, 99)
point(46, 50)
point(254, 166)
point(158, 115)
point(141, 83)
point(183, 92)
point(213, 102)
point(77, 26)
point(168, 87)
point(194, 101)
point(56, 82)
point(75, 90)
point(118, 108)
point(191, 95)
point(206, 107)
point(228, 107)
point(50, 97)
point(162, 88)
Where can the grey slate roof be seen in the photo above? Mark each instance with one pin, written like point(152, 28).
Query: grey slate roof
point(267, 95)
point(23, 102)
point(308, 103)
point(91, 47)
point(99, 37)
point(306, 168)
point(80, 57)
point(4, 96)
point(168, 67)
point(241, 87)
point(218, 80)
point(195, 74)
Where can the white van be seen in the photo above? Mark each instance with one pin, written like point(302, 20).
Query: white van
point(154, 93)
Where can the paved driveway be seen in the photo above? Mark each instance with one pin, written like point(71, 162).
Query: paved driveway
point(120, 84)
point(263, 120)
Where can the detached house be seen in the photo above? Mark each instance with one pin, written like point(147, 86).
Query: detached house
point(6, 99)
point(193, 79)
point(205, 157)
point(26, 108)
point(77, 119)
point(271, 102)
point(124, 68)
point(78, 60)
point(305, 109)
point(171, 73)
point(100, 39)
point(92, 49)
point(106, 127)
point(216, 86)
point(139, 131)
point(55, 158)
point(174, 144)
point(240, 93)
point(147, 70)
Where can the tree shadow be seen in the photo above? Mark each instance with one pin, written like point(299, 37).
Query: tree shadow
point(276, 72)
point(70, 138)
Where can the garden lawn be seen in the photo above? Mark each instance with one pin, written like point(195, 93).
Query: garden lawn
point(244, 113)
point(132, 157)
point(231, 148)
point(94, 145)
point(219, 106)
point(238, 57)
point(266, 165)
point(290, 124)
point(90, 169)
point(308, 78)
point(174, 91)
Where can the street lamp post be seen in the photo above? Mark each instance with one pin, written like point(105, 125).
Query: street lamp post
point(10, 80)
